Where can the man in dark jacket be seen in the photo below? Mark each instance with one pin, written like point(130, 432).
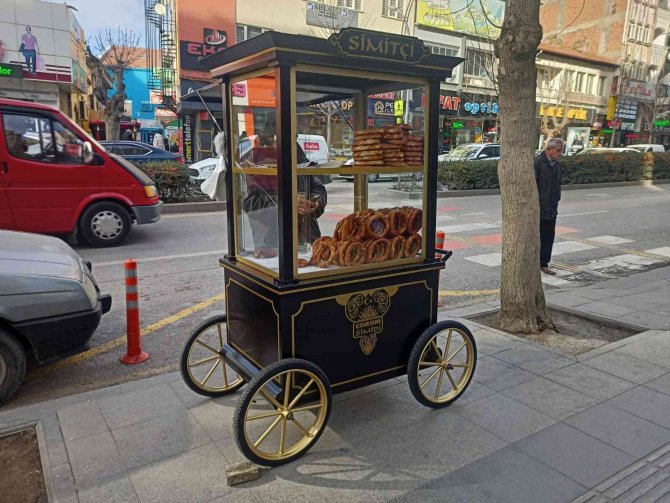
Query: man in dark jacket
point(548, 178)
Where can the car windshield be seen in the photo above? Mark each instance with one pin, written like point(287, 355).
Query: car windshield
point(464, 151)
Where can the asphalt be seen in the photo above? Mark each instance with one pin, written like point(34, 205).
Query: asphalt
point(534, 425)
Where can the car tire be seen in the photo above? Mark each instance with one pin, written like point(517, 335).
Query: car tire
point(373, 177)
point(12, 365)
point(105, 224)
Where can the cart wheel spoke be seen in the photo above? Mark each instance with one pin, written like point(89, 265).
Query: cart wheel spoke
point(451, 379)
point(209, 374)
point(299, 425)
point(287, 389)
point(299, 395)
point(307, 407)
point(430, 378)
point(439, 383)
point(198, 341)
point(263, 416)
point(225, 373)
point(204, 360)
point(446, 348)
point(459, 365)
point(428, 364)
point(282, 435)
point(270, 399)
point(457, 351)
point(268, 431)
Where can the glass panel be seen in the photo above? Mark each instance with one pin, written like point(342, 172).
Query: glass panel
point(347, 133)
point(255, 170)
point(29, 138)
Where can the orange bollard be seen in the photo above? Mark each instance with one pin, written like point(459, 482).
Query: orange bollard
point(134, 353)
point(439, 242)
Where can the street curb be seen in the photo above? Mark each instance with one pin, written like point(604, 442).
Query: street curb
point(201, 207)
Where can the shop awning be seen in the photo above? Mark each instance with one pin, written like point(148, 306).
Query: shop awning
point(205, 97)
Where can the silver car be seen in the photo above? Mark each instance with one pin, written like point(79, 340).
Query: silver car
point(50, 303)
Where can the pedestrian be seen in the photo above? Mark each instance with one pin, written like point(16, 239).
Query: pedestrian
point(127, 135)
point(548, 179)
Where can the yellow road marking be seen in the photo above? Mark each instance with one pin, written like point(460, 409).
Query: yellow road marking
point(120, 341)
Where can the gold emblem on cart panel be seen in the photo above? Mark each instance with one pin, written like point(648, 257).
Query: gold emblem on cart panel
point(366, 310)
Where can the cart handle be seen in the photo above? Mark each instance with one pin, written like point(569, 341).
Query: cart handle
point(446, 254)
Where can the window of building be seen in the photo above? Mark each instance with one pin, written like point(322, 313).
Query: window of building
point(601, 86)
point(589, 84)
point(443, 50)
point(579, 82)
point(245, 32)
point(351, 4)
point(393, 8)
point(478, 63)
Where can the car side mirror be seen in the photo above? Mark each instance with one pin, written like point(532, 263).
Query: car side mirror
point(87, 153)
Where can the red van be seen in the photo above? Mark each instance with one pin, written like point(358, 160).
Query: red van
point(54, 178)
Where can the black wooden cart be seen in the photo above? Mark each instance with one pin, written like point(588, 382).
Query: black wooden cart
point(302, 325)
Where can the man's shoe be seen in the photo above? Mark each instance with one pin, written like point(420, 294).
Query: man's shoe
point(548, 271)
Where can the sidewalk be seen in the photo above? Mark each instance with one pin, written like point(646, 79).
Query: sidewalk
point(534, 426)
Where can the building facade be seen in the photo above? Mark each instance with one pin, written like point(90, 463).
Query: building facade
point(42, 49)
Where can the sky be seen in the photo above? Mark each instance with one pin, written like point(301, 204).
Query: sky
point(96, 15)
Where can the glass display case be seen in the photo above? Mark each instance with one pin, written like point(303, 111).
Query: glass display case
point(286, 125)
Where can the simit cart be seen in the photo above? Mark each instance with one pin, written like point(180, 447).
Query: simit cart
point(310, 317)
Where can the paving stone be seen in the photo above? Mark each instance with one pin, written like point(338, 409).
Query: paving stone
point(506, 418)
point(126, 409)
point(187, 395)
point(216, 416)
point(534, 359)
point(575, 454)
point(491, 343)
point(494, 477)
point(648, 319)
point(662, 384)
point(94, 457)
point(53, 438)
point(158, 438)
point(112, 490)
point(549, 397)
point(498, 375)
point(626, 367)
point(597, 293)
point(590, 381)
point(565, 299)
point(195, 475)
point(645, 403)
point(620, 429)
point(81, 420)
point(606, 308)
point(63, 483)
point(653, 350)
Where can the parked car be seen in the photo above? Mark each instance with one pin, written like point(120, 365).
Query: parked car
point(55, 178)
point(605, 150)
point(648, 147)
point(200, 171)
point(50, 303)
point(374, 177)
point(138, 152)
point(472, 152)
point(315, 147)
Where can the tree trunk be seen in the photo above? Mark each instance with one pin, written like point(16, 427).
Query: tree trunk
point(522, 308)
point(114, 107)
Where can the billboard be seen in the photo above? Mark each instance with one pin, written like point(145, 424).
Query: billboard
point(462, 16)
point(330, 16)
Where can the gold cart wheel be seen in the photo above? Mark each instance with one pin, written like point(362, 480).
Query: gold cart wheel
point(272, 429)
point(202, 367)
point(441, 364)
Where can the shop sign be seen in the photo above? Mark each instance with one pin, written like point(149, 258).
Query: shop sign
point(155, 97)
point(11, 71)
point(383, 107)
point(483, 20)
point(187, 135)
point(639, 90)
point(383, 96)
point(457, 125)
point(164, 113)
point(623, 124)
point(330, 16)
point(485, 108)
point(662, 123)
point(192, 52)
point(399, 108)
point(579, 114)
point(452, 103)
point(311, 146)
point(377, 45)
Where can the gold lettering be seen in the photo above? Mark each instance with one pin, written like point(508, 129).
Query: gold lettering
point(403, 51)
point(395, 48)
point(354, 43)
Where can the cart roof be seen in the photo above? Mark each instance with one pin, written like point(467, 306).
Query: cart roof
point(351, 48)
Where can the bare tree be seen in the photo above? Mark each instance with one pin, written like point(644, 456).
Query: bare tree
point(522, 304)
point(555, 96)
point(118, 53)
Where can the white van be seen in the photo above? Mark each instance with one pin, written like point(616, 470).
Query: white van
point(648, 147)
point(315, 147)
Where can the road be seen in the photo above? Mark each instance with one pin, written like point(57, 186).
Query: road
point(602, 233)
